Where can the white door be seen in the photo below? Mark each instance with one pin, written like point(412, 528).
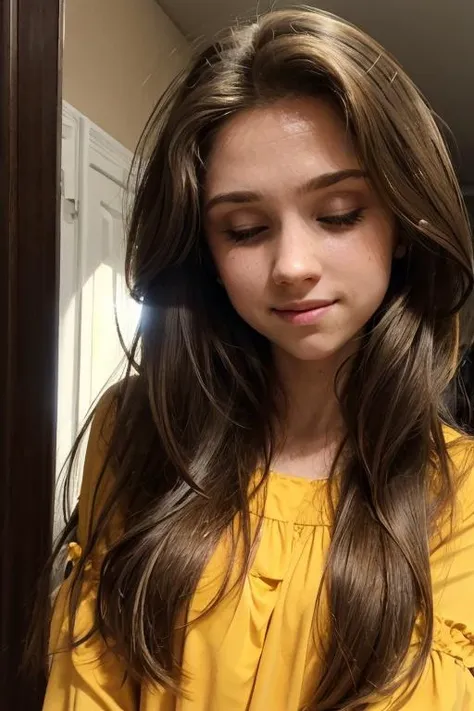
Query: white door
point(104, 300)
point(92, 286)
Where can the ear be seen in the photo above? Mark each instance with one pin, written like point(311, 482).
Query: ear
point(400, 251)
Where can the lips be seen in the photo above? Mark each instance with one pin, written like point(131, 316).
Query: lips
point(304, 305)
point(304, 313)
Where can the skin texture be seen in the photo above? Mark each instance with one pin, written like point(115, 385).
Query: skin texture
point(274, 151)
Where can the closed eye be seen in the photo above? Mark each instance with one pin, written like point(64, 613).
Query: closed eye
point(245, 234)
point(343, 219)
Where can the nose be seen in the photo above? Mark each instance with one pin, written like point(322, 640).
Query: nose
point(297, 256)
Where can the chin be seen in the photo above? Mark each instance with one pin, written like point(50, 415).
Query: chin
point(309, 351)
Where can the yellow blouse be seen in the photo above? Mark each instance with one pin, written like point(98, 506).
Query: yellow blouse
point(255, 652)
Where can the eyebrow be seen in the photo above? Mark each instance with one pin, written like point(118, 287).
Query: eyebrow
point(318, 183)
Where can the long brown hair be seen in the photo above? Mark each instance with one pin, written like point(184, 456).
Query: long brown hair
point(191, 428)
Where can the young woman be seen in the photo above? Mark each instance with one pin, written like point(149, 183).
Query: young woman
point(275, 514)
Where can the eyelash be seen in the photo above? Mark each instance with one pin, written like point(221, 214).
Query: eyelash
point(347, 219)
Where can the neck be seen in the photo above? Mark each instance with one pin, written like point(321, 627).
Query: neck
point(312, 412)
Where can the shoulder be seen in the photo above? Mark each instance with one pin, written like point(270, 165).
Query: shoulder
point(452, 557)
point(99, 470)
point(460, 449)
point(103, 420)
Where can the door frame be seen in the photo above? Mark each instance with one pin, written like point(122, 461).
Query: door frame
point(30, 97)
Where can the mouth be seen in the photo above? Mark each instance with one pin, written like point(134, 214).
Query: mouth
point(304, 314)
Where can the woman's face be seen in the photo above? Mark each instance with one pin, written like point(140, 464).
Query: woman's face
point(301, 241)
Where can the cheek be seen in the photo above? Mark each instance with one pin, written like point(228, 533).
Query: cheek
point(368, 258)
point(243, 275)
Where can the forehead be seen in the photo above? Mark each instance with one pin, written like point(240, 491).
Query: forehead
point(292, 139)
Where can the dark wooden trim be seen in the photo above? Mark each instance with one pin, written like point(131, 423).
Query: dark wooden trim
point(30, 89)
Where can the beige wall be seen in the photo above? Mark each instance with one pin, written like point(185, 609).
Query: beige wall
point(119, 56)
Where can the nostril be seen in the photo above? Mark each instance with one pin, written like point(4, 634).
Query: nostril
point(296, 274)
